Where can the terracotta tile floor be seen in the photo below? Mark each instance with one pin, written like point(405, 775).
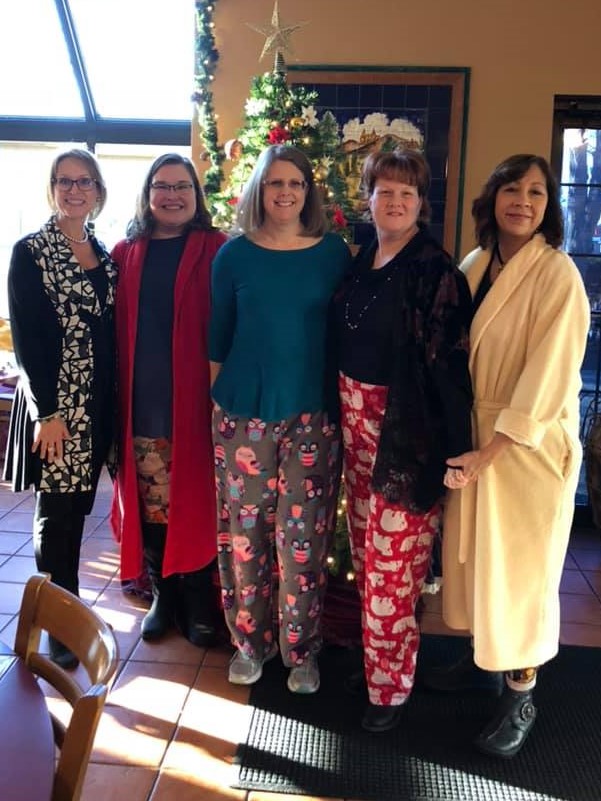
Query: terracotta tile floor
point(172, 721)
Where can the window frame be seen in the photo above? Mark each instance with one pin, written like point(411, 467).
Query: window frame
point(91, 128)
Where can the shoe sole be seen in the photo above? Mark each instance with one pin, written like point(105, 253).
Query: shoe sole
point(153, 636)
point(382, 729)
point(301, 690)
point(255, 678)
point(491, 752)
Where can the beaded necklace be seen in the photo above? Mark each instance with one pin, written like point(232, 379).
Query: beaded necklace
point(354, 325)
point(85, 237)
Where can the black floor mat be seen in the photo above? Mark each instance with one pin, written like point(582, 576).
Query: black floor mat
point(314, 745)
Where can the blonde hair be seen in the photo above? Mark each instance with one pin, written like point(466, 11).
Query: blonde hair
point(93, 168)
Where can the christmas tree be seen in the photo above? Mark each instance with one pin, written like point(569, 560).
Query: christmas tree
point(276, 113)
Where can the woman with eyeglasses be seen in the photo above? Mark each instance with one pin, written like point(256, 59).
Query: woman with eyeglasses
point(276, 443)
point(61, 294)
point(164, 506)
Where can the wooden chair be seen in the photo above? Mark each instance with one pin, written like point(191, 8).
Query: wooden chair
point(47, 607)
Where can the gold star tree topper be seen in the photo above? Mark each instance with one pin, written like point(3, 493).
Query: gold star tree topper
point(278, 36)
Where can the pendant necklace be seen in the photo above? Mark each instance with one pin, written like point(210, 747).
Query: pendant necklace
point(354, 325)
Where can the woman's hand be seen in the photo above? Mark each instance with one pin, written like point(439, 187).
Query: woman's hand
point(454, 478)
point(48, 436)
point(462, 470)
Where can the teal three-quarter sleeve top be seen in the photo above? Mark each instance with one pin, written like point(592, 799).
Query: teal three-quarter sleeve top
point(268, 325)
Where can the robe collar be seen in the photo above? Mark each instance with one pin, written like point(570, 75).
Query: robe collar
point(509, 281)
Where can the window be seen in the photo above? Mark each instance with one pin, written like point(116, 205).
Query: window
point(37, 78)
point(576, 158)
point(89, 83)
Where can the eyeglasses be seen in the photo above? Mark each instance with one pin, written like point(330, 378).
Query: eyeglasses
point(180, 186)
point(65, 184)
point(278, 185)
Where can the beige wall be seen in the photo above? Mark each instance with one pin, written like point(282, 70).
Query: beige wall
point(520, 52)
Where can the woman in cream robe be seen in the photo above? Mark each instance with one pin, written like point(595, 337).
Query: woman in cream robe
point(508, 519)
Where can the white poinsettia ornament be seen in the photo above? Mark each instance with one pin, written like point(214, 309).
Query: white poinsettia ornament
point(310, 116)
point(256, 106)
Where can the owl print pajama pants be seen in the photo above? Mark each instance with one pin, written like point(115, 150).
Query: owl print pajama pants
point(276, 485)
point(391, 549)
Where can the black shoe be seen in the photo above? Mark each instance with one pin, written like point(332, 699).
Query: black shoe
point(461, 676)
point(202, 635)
point(355, 683)
point(507, 731)
point(61, 655)
point(378, 719)
point(197, 613)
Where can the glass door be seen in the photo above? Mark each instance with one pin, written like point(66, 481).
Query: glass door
point(577, 164)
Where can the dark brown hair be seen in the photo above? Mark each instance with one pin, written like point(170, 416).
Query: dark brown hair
point(404, 166)
point(143, 223)
point(509, 170)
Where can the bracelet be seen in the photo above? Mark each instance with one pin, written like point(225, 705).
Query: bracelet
point(48, 418)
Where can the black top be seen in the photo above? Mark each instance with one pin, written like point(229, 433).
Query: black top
point(153, 360)
point(365, 312)
point(483, 287)
point(102, 332)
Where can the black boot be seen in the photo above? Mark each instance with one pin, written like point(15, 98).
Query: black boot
point(161, 615)
point(377, 719)
point(61, 655)
point(355, 683)
point(507, 731)
point(198, 607)
point(461, 676)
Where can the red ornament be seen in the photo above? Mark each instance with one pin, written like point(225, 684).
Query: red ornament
point(233, 201)
point(338, 218)
point(278, 135)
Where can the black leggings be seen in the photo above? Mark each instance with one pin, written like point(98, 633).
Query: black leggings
point(57, 543)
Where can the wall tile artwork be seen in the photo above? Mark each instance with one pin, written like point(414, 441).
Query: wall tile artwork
point(383, 108)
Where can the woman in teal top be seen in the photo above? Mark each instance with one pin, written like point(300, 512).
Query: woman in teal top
point(276, 446)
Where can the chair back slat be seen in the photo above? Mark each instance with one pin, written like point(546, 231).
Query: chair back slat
point(47, 607)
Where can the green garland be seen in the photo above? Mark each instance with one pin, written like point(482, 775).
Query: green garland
point(205, 63)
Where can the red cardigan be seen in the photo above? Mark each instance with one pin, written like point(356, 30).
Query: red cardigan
point(192, 528)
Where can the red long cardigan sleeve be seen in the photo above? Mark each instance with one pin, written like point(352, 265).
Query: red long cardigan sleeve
point(191, 541)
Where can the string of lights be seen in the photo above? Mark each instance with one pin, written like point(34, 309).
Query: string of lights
point(205, 65)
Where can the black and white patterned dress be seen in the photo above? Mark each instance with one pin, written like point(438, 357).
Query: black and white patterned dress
point(62, 327)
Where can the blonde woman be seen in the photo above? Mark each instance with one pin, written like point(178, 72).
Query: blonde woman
point(61, 285)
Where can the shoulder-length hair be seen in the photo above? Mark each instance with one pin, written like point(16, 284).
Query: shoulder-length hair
point(509, 170)
point(143, 223)
point(404, 166)
point(251, 209)
point(91, 165)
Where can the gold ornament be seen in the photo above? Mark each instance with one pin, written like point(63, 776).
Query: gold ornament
point(278, 36)
point(296, 122)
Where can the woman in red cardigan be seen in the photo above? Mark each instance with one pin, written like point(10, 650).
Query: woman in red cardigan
point(164, 505)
